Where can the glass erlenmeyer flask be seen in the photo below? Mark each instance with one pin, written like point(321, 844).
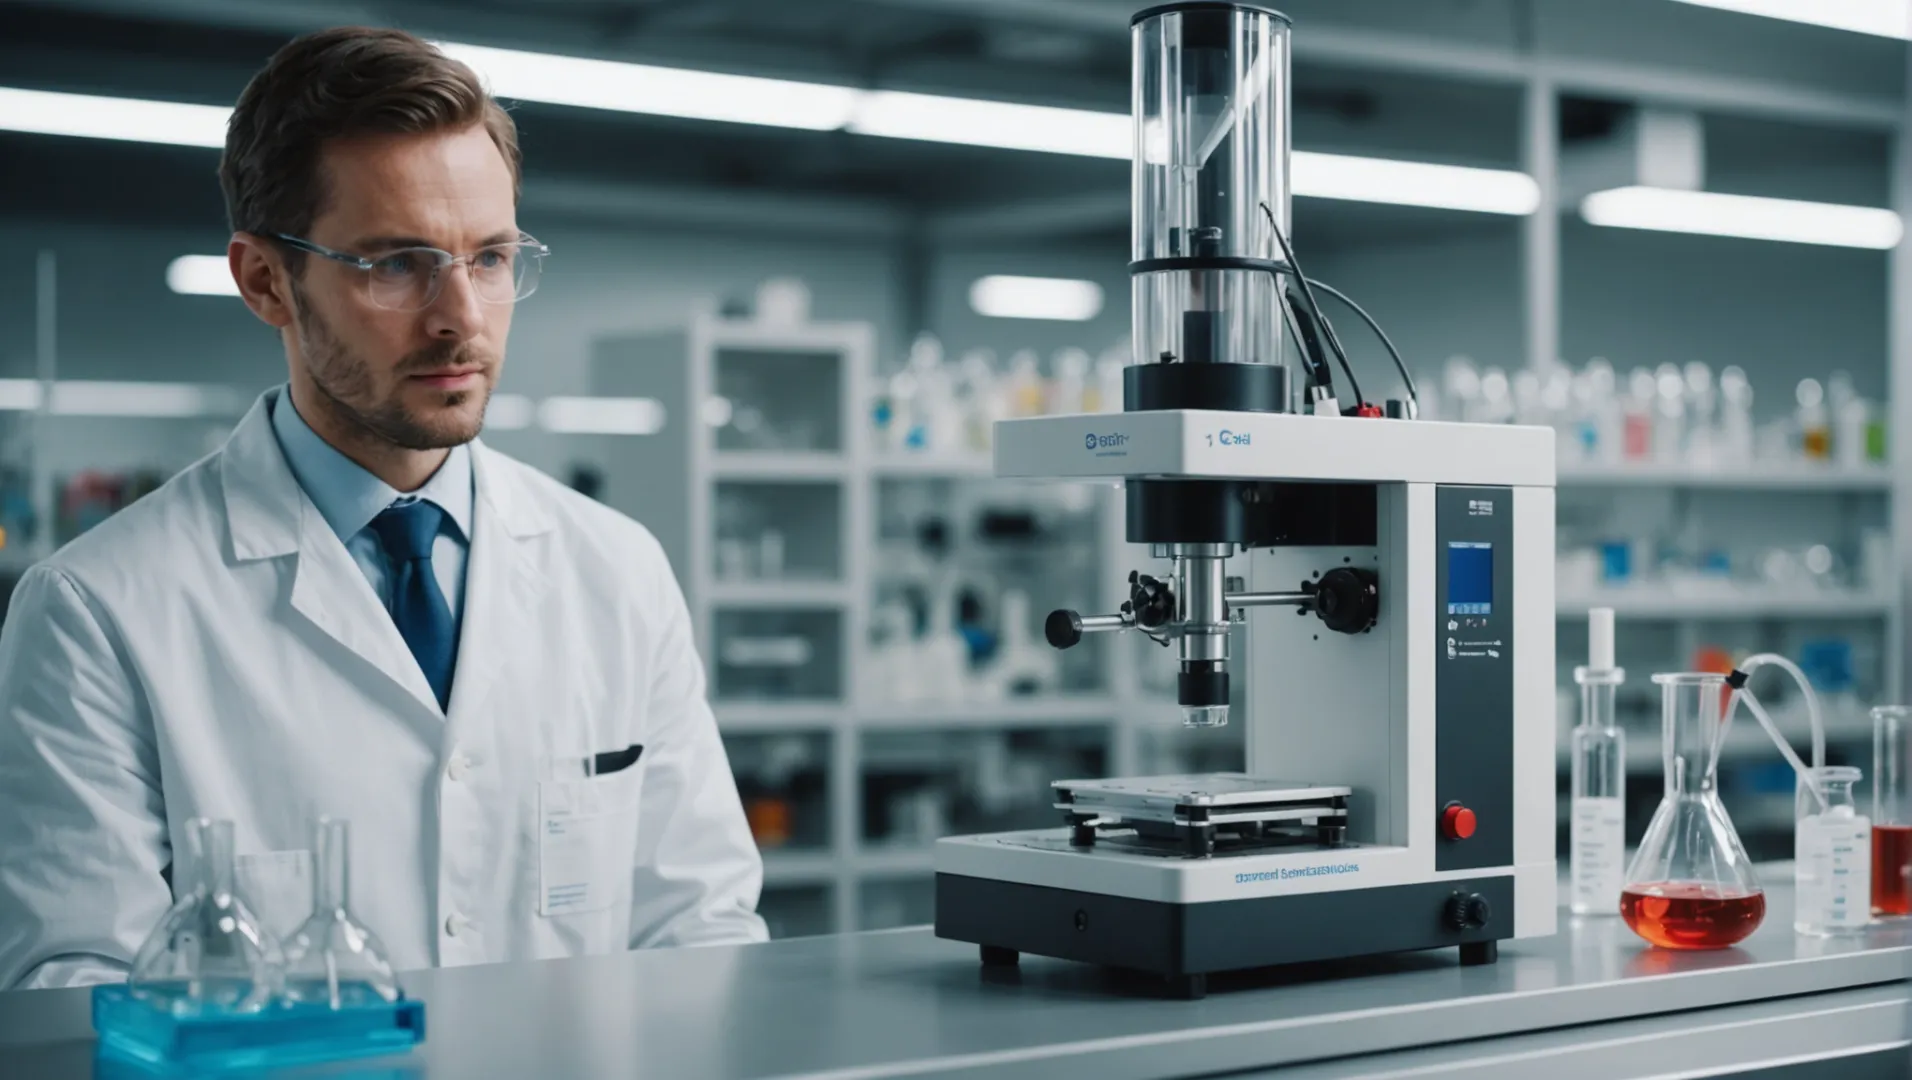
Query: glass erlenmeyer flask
point(209, 953)
point(1691, 886)
point(333, 959)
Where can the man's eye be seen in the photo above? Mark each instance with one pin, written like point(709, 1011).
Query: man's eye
point(399, 264)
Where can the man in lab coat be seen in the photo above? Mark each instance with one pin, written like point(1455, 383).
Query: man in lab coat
point(355, 608)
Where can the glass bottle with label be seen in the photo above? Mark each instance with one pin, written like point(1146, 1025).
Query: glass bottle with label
point(1832, 855)
point(1597, 862)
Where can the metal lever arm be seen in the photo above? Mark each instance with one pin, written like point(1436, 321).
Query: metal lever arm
point(1065, 628)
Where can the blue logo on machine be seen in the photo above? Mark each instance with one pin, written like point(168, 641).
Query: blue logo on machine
point(1231, 438)
point(1092, 441)
point(1089, 440)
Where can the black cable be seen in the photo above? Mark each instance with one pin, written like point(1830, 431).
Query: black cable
point(1327, 328)
point(1317, 368)
point(1413, 394)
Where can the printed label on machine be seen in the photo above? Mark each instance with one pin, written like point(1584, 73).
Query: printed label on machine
point(1599, 853)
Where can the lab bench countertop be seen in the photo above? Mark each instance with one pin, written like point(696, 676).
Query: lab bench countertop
point(1593, 1001)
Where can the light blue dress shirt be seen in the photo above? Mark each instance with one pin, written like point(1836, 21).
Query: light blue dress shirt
point(349, 498)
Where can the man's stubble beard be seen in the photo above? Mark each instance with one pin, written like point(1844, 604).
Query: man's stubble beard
point(345, 382)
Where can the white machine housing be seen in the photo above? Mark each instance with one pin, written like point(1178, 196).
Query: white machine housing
point(1358, 710)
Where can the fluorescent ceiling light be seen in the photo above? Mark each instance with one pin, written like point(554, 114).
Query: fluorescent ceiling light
point(509, 412)
point(19, 395)
point(659, 91)
point(44, 112)
point(1413, 183)
point(201, 275)
point(602, 416)
point(705, 95)
point(151, 400)
point(1886, 18)
point(1714, 214)
point(973, 122)
point(1003, 296)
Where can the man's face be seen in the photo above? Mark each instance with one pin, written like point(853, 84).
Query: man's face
point(416, 379)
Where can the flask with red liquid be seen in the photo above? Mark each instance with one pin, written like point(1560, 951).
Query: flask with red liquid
point(1891, 811)
point(1691, 885)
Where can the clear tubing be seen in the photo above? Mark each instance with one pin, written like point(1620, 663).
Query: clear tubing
point(1752, 664)
point(331, 852)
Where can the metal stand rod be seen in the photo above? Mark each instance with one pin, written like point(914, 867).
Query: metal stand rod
point(1269, 599)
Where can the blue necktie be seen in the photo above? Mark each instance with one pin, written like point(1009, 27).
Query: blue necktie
point(406, 533)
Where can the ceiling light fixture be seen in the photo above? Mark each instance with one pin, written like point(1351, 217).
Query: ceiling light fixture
point(647, 89)
point(1713, 214)
point(45, 112)
point(201, 275)
point(601, 415)
point(1884, 18)
point(1005, 296)
point(1414, 183)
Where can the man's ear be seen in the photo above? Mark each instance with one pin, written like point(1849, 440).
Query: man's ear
point(265, 282)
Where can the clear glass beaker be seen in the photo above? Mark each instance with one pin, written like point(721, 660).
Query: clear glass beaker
point(333, 959)
point(209, 953)
point(1832, 855)
point(1691, 885)
point(1891, 811)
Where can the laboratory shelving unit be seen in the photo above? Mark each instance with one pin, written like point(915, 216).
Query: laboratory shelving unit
point(846, 875)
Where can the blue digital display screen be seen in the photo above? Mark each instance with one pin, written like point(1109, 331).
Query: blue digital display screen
point(1470, 579)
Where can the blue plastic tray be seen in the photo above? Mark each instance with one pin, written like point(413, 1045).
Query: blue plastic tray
point(279, 1035)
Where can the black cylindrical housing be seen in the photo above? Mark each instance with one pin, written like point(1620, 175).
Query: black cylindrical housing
point(1201, 683)
point(1193, 511)
point(1223, 387)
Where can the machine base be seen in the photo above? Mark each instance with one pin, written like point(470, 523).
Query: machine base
point(1186, 942)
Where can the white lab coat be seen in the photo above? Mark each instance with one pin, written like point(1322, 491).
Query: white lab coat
point(213, 651)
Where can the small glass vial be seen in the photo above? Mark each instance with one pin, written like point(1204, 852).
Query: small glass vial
point(1832, 855)
point(1597, 858)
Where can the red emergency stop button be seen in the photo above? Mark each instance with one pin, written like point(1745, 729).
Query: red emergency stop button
point(1457, 822)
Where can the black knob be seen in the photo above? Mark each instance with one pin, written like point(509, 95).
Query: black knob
point(1063, 628)
point(1151, 600)
point(1348, 599)
point(1468, 911)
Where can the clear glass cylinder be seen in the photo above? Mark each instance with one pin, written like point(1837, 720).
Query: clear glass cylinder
point(1892, 810)
point(210, 953)
point(1832, 855)
point(1209, 182)
point(1691, 884)
point(1597, 857)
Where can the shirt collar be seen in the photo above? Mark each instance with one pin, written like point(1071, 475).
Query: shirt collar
point(347, 496)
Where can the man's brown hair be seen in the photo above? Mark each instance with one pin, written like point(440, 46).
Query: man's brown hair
point(337, 84)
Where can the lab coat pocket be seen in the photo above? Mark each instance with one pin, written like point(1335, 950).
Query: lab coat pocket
point(277, 886)
point(587, 839)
